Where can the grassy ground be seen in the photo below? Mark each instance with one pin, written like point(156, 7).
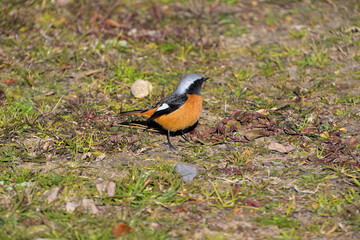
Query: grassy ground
point(277, 149)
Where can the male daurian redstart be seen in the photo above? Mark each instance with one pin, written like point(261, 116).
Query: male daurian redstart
point(178, 111)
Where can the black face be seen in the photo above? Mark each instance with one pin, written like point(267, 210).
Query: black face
point(195, 87)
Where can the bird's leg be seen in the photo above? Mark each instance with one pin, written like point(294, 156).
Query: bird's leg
point(168, 138)
point(147, 125)
point(185, 137)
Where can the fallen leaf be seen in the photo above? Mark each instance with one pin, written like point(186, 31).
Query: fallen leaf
point(80, 75)
point(90, 206)
point(186, 171)
point(86, 155)
point(101, 157)
point(235, 190)
point(100, 187)
point(253, 203)
point(53, 194)
point(66, 66)
point(49, 93)
point(292, 73)
point(112, 23)
point(221, 127)
point(324, 135)
point(253, 134)
point(281, 148)
point(71, 206)
point(263, 111)
point(308, 130)
point(182, 209)
point(121, 230)
point(110, 189)
point(280, 108)
point(107, 186)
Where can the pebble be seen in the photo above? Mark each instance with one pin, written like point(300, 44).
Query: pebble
point(140, 88)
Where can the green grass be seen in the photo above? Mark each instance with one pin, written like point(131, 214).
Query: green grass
point(65, 76)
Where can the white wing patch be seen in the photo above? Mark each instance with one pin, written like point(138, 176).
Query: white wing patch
point(162, 107)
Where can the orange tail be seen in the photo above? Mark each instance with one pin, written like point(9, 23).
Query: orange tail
point(146, 113)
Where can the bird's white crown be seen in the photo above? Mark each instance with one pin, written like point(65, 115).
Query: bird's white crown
point(186, 81)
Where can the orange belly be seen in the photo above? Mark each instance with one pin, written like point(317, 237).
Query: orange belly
point(184, 117)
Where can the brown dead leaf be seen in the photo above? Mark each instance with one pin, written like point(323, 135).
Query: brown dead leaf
point(253, 134)
point(112, 23)
point(94, 18)
point(308, 130)
point(221, 127)
point(182, 208)
point(121, 230)
point(281, 148)
point(66, 66)
point(253, 203)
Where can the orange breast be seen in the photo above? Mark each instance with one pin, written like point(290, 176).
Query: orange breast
point(184, 117)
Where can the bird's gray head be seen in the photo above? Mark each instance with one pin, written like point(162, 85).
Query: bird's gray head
point(191, 83)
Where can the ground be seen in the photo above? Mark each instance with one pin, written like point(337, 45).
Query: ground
point(277, 147)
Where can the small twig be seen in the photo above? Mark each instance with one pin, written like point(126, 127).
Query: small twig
point(306, 191)
point(342, 51)
point(52, 111)
point(135, 125)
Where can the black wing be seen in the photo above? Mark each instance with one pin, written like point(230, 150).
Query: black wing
point(173, 101)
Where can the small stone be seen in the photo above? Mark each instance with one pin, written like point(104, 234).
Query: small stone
point(186, 171)
point(140, 88)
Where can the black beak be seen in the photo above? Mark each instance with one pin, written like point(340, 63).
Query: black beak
point(204, 79)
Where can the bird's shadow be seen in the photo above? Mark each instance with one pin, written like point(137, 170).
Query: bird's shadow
point(153, 125)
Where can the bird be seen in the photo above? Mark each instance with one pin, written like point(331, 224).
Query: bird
point(178, 111)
